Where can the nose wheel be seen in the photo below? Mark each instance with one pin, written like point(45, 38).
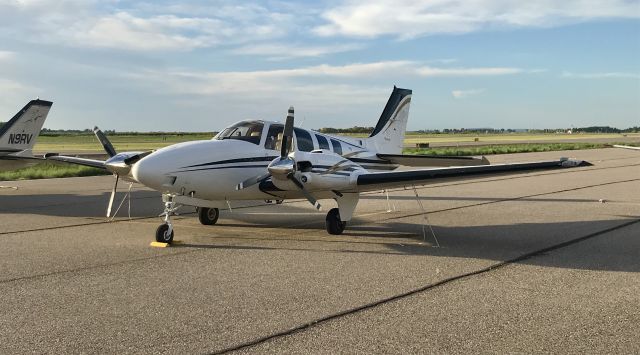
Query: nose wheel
point(164, 232)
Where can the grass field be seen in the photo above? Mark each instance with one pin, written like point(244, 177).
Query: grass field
point(504, 149)
point(89, 143)
point(50, 170)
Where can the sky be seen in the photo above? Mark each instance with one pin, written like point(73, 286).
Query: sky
point(203, 65)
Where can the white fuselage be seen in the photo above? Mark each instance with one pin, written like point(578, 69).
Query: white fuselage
point(211, 169)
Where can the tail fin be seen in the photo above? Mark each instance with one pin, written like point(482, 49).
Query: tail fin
point(388, 135)
point(21, 132)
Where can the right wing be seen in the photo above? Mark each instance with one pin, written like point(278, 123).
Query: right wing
point(433, 160)
point(385, 180)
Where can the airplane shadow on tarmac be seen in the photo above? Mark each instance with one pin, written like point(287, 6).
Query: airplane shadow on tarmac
point(143, 203)
point(500, 242)
point(147, 203)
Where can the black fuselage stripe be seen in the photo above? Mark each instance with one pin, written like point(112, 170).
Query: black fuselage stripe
point(230, 161)
point(224, 167)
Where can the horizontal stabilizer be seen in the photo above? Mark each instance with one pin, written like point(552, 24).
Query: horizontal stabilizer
point(433, 160)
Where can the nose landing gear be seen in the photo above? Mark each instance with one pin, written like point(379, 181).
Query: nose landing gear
point(164, 232)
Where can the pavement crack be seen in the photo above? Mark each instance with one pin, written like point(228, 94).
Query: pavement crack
point(351, 311)
point(93, 267)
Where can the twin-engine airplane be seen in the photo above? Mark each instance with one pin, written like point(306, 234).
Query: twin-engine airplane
point(261, 160)
point(19, 135)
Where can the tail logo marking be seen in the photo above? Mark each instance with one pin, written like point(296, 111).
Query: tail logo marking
point(20, 138)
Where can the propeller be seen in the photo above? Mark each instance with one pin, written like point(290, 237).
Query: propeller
point(284, 166)
point(106, 144)
point(113, 195)
point(118, 164)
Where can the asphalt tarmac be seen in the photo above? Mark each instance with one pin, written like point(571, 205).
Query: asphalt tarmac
point(547, 261)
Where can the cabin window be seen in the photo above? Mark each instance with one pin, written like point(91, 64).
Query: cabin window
point(322, 142)
point(337, 147)
point(249, 131)
point(305, 143)
point(274, 137)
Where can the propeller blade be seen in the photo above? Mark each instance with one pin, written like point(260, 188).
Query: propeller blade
point(287, 134)
point(251, 181)
point(106, 144)
point(113, 196)
point(304, 191)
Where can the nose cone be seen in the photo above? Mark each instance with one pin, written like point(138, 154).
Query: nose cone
point(150, 172)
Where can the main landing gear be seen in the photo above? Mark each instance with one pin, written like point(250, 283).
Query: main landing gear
point(164, 233)
point(208, 216)
point(333, 223)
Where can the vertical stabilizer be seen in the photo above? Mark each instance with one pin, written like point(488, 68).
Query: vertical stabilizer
point(21, 132)
point(388, 135)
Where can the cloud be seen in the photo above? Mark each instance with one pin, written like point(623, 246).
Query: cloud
point(91, 24)
point(280, 51)
point(411, 18)
point(453, 72)
point(463, 94)
point(211, 83)
point(268, 81)
point(122, 30)
point(7, 55)
point(606, 75)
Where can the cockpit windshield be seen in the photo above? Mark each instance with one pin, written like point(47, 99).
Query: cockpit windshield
point(249, 131)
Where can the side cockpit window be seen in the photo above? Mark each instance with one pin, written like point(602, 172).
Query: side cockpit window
point(274, 137)
point(337, 147)
point(322, 142)
point(249, 131)
point(303, 138)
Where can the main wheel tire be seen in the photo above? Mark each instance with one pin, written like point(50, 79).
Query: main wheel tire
point(162, 234)
point(333, 223)
point(208, 216)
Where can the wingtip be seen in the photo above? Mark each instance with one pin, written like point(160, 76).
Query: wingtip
point(570, 163)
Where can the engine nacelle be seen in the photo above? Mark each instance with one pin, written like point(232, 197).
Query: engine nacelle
point(322, 170)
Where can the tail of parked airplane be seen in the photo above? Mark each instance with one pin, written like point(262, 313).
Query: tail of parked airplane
point(388, 135)
point(21, 132)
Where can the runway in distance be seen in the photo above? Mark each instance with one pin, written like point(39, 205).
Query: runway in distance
point(263, 160)
point(19, 135)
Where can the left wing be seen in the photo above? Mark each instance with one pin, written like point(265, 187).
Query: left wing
point(100, 164)
point(384, 180)
point(626, 147)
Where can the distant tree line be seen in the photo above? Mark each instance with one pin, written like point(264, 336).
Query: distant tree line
point(111, 132)
point(360, 130)
point(607, 129)
point(465, 131)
